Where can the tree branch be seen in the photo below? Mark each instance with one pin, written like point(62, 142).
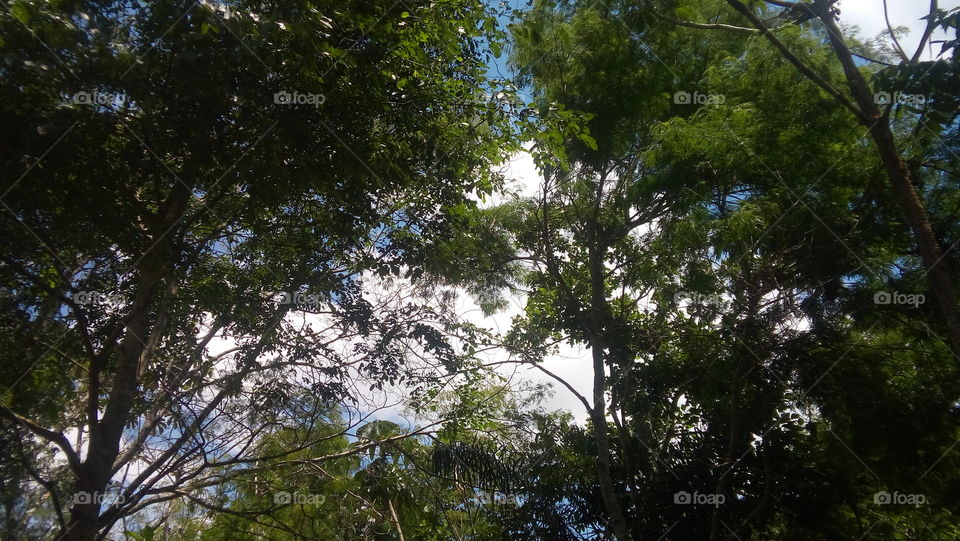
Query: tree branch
point(893, 36)
point(926, 31)
point(56, 438)
point(799, 64)
point(705, 26)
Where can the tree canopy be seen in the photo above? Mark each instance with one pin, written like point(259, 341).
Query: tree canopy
point(238, 238)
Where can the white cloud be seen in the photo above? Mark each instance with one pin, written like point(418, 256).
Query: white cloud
point(868, 16)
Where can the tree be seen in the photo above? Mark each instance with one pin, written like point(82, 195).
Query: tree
point(185, 174)
point(737, 348)
point(378, 483)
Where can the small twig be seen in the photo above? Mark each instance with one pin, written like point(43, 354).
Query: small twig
point(893, 35)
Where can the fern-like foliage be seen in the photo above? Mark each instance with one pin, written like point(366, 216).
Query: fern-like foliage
point(478, 466)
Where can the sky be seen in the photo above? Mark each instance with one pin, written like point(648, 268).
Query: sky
point(868, 16)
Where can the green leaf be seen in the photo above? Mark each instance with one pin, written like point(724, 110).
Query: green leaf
point(20, 12)
point(588, 140)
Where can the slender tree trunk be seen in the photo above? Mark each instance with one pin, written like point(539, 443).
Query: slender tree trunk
point(933, 256)
point(610, 497)
point(598, 418)
point(395, 519)
point(729, 458)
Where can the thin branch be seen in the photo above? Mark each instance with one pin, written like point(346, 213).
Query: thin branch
point(799, 64)
point(567, 385)
point(927, 32)
point(787, 5)
point(48, 485)
point(56, 438)
point(705, 26)
point(360, 448)
point(893, 35)
point(874, 60)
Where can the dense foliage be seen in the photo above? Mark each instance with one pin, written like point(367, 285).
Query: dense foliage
point(233, 232)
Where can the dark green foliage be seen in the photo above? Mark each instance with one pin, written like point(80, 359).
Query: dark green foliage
point(296, 183)
point(745, 352)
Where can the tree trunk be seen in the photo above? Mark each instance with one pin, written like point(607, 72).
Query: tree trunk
point(932, 254)
point(104, 446)
point(598, 344)
point(938, 273)
point(395, 519)
point(610, 497)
